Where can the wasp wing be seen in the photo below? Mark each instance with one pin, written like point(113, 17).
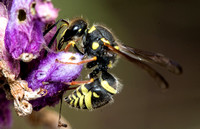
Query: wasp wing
point(152, 57)
point(160, 80)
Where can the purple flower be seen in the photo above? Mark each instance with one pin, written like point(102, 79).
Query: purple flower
point(55, 75)
point(45, 11)
point(7, 3)
point(23, 65)
point(24, 33)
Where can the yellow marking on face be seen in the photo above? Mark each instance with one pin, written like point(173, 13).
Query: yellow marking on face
point(88, 100)
point(105, 41)
point(79, 30)
point(116, 47)
point(76, 102)
point(84, 90)
point(107, 87)
point(73, 96)
point(92, 29)
point(81, 101)
point(110, 64)
point(95, 45)
point(95, 95)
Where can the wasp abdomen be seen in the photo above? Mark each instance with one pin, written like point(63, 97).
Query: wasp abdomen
point(94, 95)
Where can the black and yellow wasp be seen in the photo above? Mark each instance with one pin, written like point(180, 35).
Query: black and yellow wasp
point(101, 49)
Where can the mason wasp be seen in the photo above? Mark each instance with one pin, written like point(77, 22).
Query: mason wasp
point(101, 50)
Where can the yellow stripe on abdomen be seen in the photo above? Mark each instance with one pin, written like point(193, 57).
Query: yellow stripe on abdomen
point(84, 90)
point(81, 102)
point(76, 102)
point(88, 100)
point(107, 87)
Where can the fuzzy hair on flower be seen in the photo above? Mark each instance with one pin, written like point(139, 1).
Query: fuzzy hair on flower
point(24, 33)
point(53, 76)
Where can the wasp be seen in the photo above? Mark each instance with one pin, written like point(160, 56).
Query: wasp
point(101, 49)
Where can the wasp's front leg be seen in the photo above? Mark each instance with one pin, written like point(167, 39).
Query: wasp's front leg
point(78, 63)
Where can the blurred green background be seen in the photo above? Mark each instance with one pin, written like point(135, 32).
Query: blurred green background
point(169, 27)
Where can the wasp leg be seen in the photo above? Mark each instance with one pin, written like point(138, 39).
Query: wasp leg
point(72, 88)
point(71, 43)
point(78, 63)
point(80, 82)
point(60, 124)
point(52, 41)
point(55, 35)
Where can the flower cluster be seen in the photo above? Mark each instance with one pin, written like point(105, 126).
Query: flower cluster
point(28, 77)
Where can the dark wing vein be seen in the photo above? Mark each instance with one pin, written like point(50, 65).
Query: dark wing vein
point(160, 80)
point(156, 58)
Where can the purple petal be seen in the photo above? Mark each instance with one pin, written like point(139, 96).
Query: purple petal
point(5, 117)
point(7, 3)
point(55, 75)
point(13, 65)
point(24, 32)
point(46, 11)
point(3, 21)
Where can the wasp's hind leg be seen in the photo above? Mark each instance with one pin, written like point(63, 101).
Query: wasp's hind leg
point(79, 82)
point(60, 123)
